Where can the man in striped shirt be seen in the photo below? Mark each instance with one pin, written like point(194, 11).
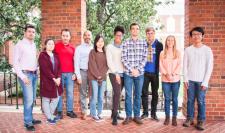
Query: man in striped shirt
point(134, 57)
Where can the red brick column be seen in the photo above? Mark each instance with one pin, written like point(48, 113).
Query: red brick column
point(59, 14)
point(210, 15)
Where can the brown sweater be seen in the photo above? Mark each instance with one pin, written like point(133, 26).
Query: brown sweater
point(97, 65)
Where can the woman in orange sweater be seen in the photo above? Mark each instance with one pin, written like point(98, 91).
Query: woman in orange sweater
point(170, 65)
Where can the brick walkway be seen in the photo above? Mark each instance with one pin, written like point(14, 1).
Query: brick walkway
point(13, 123)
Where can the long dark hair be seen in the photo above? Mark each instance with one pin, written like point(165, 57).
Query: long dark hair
point(97, 37)
point(46, 41)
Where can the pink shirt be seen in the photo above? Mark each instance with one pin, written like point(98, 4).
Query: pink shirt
point(170, 66)
point(25, 57)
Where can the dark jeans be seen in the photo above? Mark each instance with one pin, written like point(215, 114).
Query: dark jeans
point(154, 79)
point(117, 88)
point(195, 92)
point(168, 90)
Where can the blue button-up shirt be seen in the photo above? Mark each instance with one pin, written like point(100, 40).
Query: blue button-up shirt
point(81, 58)
point(134, 55)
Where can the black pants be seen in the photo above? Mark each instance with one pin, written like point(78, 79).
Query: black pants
point(154, 79)
point(117, 88)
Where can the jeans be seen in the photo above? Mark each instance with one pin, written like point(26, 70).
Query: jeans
point(117, 88)
point(97, 97)
point(138, 83)
point(83, 91)
point(154, 80)
point(49, 105)
point(169, 88)
point(29, 96)
point(195, 92)
point(67, 83)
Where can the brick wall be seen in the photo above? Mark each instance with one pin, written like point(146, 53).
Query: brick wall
point(210, 14)
point(59, 14)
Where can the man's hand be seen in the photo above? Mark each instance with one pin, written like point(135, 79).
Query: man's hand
point(135, 72)
point(26, 81)
point(186, 85)
point(203, 88)
point(74, 77)
point(79, 81)
point(118, 79)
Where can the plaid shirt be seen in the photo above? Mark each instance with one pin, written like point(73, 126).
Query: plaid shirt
point(134, 55)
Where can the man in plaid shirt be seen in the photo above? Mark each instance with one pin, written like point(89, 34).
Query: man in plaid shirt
point(134, 57)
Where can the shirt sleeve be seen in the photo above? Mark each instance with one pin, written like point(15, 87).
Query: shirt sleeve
point(162, 69)
point(92, 66)
point(16, 61)
point(144, 57)
point(185, 65)
point(44, 67)
point(209, 68)
point(178, 65)
point(77, 62)
point(109, 57)
point(124, 57)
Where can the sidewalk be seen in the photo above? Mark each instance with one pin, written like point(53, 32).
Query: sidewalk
point(12, 122)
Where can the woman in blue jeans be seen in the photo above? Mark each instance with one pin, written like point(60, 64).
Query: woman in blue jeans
point(170, 64)
point(97, 69)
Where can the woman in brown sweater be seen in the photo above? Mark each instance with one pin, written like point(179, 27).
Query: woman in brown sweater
point(97, 69)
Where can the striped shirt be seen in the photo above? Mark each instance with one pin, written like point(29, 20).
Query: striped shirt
point(134, 55)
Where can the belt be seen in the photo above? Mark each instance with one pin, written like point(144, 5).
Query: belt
point(28, 71)
point(83, 70)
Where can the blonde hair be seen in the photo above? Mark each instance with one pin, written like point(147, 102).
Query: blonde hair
point(175, 52)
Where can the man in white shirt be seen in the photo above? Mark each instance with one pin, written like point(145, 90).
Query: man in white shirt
point(81, 66)
point(25, 65)
point(198, 66)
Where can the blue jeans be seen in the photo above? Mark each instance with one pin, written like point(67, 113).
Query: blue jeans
point(67, 83)
point(97, 96)
point(29, 96)
point(169, 88)
point(128, 83)
point(195, 91)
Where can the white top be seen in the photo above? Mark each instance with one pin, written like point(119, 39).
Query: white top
point(81, 58)
point(198, 64)
point(113, 56)
point(25, 57)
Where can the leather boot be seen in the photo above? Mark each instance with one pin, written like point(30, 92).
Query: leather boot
point(167, 120)
point(174, 121)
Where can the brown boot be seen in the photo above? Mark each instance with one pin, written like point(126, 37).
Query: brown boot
point(174, 121)
point(137, 120)
point(167, 120)
point(127, 121)
point(200, 125)
point(188, 122)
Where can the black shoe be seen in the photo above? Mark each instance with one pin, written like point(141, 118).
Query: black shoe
point(60, 115)
point(30, 127)
point(154, 117)
point(71, 114)
point(144, 116)
point(115, 116)
point(36, 122)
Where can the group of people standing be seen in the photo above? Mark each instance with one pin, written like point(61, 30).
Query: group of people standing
point(131, 64)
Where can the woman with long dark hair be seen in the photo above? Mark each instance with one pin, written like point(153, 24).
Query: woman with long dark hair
point(97, 69)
